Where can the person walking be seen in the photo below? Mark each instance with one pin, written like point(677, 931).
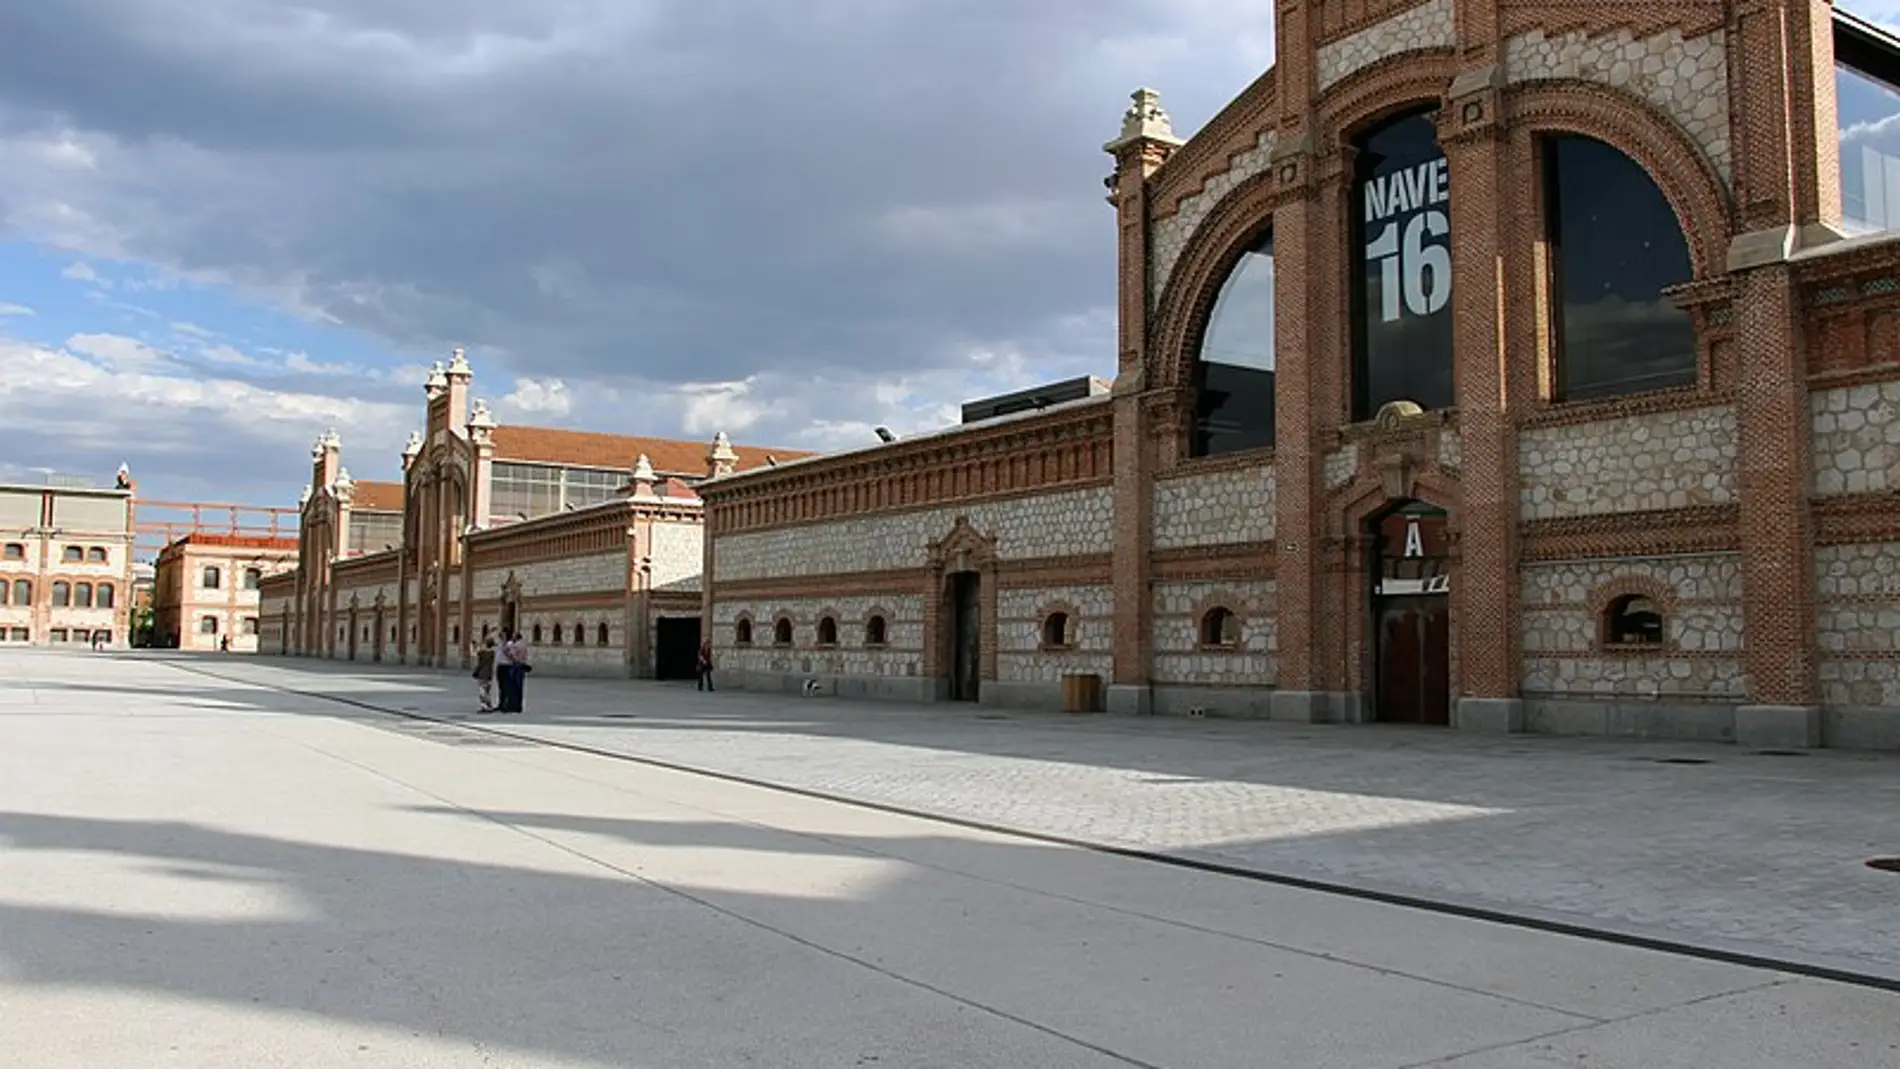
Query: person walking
point(485, 674)
point(705, 665)
point(515, 655)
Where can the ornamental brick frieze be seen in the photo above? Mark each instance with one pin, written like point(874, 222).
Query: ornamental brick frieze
point(1857, 518)
point(1213, 150)
point(1661, 532)
point(1234, 561)
point(1378, 90)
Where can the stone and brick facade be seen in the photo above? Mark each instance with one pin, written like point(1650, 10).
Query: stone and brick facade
point(588, 544)
point(66, 565)
point(1711, 552)
point(207, 590)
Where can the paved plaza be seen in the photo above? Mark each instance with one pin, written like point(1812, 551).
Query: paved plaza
point(202, 864)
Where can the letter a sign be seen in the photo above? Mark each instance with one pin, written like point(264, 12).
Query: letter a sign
point(1414, 541)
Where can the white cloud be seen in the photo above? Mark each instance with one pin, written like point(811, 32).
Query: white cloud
point(194, 330)
point(303, 365)
point(546, 397)
point(80, 272)
point(10, 309)
point(116, 352)
point(230, 357)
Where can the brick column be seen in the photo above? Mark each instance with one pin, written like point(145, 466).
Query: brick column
point(1147, 141)
point(1485, 592)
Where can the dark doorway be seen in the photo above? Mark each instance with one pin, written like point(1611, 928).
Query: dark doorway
point(508, 619)
point(966, 621)
point(1414, 646)
point(1411, 615)
point(676, 652)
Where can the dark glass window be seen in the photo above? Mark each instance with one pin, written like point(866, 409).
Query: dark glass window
point(1401, 292)
point(1615, 247)
point(1234, 376)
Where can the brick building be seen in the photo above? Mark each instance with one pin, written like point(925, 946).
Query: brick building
point(577, 539)
point(66, 564)
point(206, 589)
point(1513, 366)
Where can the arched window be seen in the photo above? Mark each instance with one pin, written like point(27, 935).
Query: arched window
point(105, 596)
point(1058, 631)
point(62, 594)
point(1220, 628)
point(23, 592)
point(208, 625)
point(252, 577)
point(73, 555)
point(1633, 620)
point(212, 578)
point(82, 595)
point(16, 551)
point(601, 634)
point(874, 631)
point(1401, 276)
point(97, 554)
point(782, 632)
point(537, 632)
point(580, 633)
point(742, 632)
point(1615, 246)
point(1233, 379)
point(557, 634)
point(827, 632)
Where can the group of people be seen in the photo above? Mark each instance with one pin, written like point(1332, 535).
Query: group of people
point(505, 667)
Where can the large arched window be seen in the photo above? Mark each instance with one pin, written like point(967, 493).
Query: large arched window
point(1401, 280)
point(1615, 246)
point(1233, 379)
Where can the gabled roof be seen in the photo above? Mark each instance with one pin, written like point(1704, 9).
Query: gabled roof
point(591, 449)
point(377, 496)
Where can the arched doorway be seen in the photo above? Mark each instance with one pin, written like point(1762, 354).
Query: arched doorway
point(1411, 614)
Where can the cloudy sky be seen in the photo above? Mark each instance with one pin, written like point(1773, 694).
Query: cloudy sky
point(228, 224)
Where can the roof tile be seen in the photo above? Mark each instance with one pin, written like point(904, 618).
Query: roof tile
point(377, 496)
point(591, 449)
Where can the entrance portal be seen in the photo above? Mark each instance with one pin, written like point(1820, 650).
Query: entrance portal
point(966, 619)
point(676, 647)
point(1411, 613)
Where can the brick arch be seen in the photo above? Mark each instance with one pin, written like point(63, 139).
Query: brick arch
point(828, 612)
point(751, 628)
point(1382, 89)
point(1049, 608)
point(1610, 591)
point(1235, 606)
point(1681, 170)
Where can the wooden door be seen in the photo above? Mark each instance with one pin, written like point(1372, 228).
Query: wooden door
point(1414, 651)
point(966, 659)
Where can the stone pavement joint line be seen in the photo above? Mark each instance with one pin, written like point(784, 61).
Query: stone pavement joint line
point(1872, 961)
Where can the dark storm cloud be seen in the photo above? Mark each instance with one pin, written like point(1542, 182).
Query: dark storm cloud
point(674, 191)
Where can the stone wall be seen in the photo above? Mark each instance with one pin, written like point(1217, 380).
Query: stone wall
point(1666, 460)
point(1169, 236)
point(1214, 508)
point(599, 573)
point(1020, 653)
point(678, 554)
point(1858, 617)
point(1856, 439)
point(1428, 25)
point(901, 657)
point(1692, 681)
point(1179, 657)
point(1066, 523)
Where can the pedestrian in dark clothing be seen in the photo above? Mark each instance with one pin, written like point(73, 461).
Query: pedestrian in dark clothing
point(705, 665)
point(485, 674)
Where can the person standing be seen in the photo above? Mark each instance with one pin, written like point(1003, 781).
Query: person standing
point(485, 674)
point(515, 653)
point(705, 664)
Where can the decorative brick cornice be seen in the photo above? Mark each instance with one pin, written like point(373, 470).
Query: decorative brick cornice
point(1662, 532)
point(1236, 561)
point(1857, 518)
point(1211, 151)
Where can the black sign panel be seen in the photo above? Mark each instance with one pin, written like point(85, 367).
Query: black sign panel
point(1402, 268)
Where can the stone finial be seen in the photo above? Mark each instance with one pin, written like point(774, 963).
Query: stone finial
point(438, 380)
point(481, 423)
point(413, 447)
point(458, 364)
point(304, 498)
point(721, 458)
point(344, 487)
point(124, 478)
point(326, 441)
point(643, 477)
point(1145, 120)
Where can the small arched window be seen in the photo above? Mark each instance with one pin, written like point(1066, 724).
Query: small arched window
point(557, 634)
point(23, 592)
point(82, 595)
point(601, 634)
point(537, 632)
point(104, 600)
point(1616, 247)
point(874, 631)
point(827, 632)
point(742, 632)
point(252, 577)
point(62, 594)
point(1220, 628)
point(1633, 620)
point(73, 555)
point(1058, 631)
point(580, 633)
point(96, 554)
point(782, 632)
point(212, 578)
point(208, 625)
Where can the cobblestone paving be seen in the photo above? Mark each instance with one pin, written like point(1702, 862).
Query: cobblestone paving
point(1748, 851)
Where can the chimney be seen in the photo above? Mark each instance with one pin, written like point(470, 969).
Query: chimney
point(458, 375)
point(721, 459)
